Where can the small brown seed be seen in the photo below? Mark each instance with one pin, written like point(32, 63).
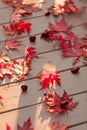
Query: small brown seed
point(45, 35)
point(75, 70)
point(47, 13)
point(24, 88)
point(63, 103)
point(32, 38)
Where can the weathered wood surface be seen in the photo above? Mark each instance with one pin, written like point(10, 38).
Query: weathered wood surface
point(19, 106)
point(41, 118)
point(12, 93)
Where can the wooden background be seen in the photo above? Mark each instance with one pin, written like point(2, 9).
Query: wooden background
point(19, 106)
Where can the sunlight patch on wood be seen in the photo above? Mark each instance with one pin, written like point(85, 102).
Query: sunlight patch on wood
point(59, 2)
point(40, 121)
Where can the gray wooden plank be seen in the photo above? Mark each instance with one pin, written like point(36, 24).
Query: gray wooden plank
point(80, 127)
point(40, 118)
point(13, 97)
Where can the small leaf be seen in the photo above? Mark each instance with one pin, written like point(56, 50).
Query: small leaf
point(70, 48)
point(30, 53)
point(1, 97)
point(9, 30)
point(17, 14)
point(76, 60)
point(12, 44)
point(55, 126)
point(26, 126)
point(19, 28)
point(49, 77)
point(69, 7)
point(22, 27)
point(8, 127)
point(61, 26)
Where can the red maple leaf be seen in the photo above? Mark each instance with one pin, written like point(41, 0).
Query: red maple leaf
point(30, 51)
point(26, 125)
point(22, 27)
point(1, 97)
point(8, 127)
point(9, 30)
point(19, 28)
point(61, 26)
point(12, 44)
point(69, 7)
point(57, 104)
point(21, 7)
point(70, 36)
point(49, 78)
point(70, 48)
point(17, 14)
point(55, 126)
point(30, 8)
point(76, 60)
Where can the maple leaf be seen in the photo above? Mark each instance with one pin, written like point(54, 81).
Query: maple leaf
point(61, 26)
point(49, 77)
point(1, 97)
point(65, 7)
point(19, 28)
point(26, 125)
point(76, 60)
point(12, 44)
point(70, 36)
point(21, 7)
point(69, 7)
point(30, 53)
point(55, 126)
point(8, 127)
point(16, 15)
point(22, 27)
point(9, 30)
point(70, 48)
point(57, 9)
point(30, 8)
point(57, 104)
